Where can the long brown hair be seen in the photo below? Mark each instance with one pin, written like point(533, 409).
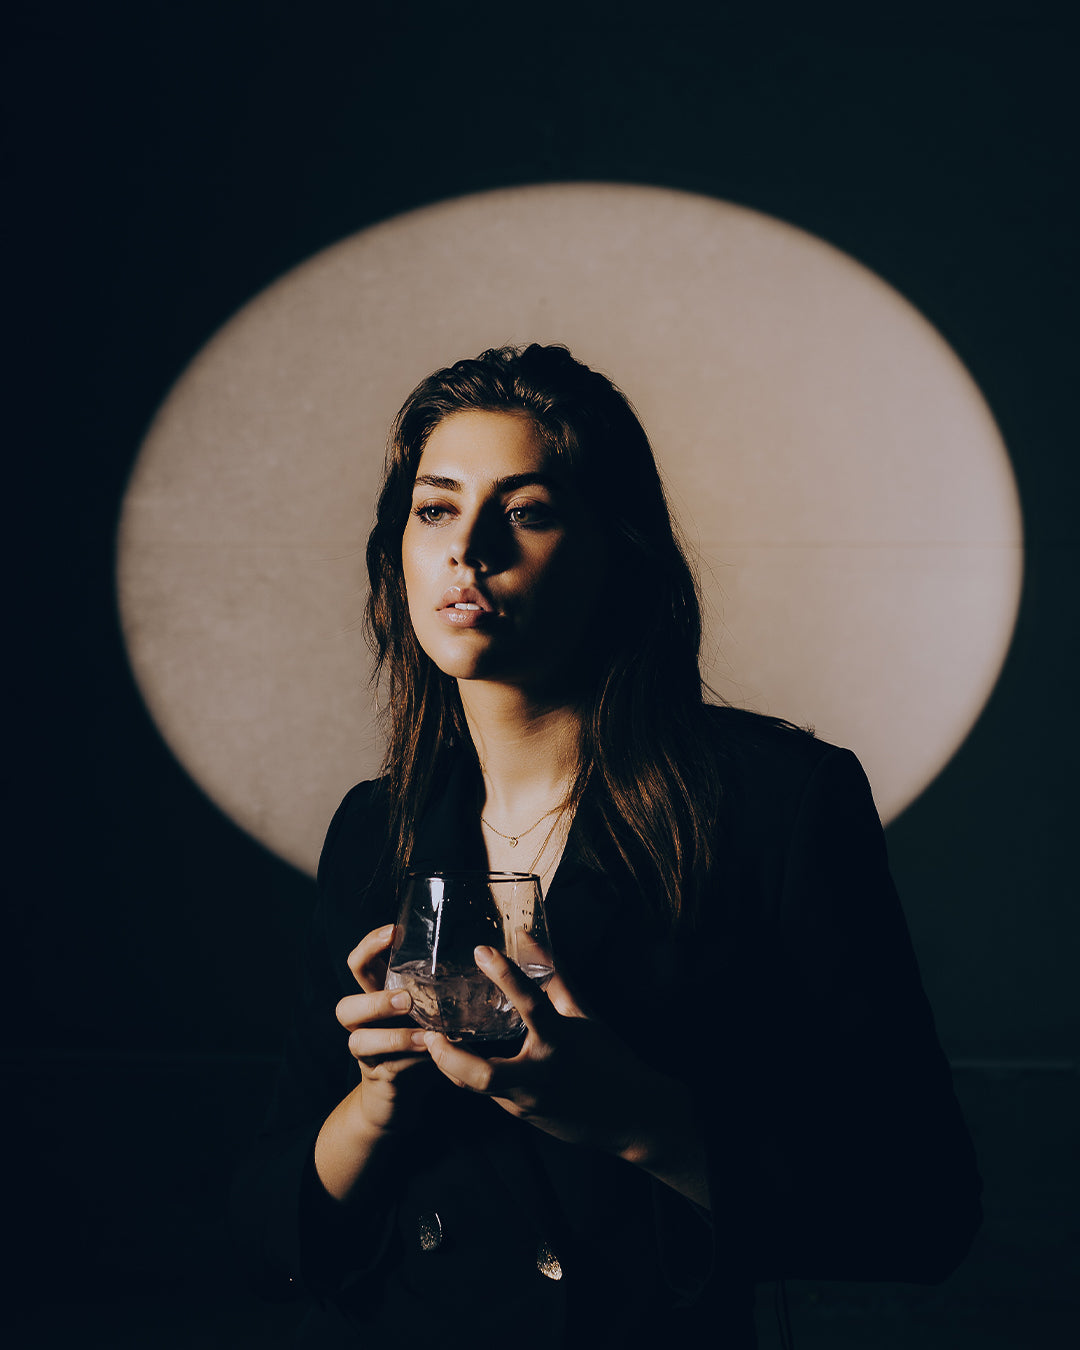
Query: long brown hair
point(645, 759)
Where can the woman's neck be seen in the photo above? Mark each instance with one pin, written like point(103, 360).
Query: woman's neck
point(528, 751)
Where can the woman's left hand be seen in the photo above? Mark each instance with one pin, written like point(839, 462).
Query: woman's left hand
point(572, 1077)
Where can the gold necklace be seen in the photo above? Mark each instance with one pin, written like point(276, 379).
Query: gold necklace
point(547, 837)
point(512, 839)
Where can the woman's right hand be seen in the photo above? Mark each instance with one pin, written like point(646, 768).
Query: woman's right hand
point(383, 1040)
point(389, 1048)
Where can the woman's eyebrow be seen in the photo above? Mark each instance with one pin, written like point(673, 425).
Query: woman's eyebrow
point(435, 481)
point(516, 480)
point(508, 484)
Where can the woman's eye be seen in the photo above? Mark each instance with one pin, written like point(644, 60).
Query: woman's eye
point(529, 513)
point(433, 514)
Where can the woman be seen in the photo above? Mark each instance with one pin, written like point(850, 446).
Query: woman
point(733, 1075)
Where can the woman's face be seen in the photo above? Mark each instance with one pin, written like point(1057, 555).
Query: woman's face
point(502, 564)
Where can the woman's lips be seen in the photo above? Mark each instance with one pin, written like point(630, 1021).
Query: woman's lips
point(466, 607)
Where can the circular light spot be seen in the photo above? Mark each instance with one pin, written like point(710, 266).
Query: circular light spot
point(830, 460)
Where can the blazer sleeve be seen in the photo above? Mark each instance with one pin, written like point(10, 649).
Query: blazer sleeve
point(861, 1165)
point(294, 1239)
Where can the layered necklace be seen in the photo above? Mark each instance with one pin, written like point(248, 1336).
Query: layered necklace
point(514, 839)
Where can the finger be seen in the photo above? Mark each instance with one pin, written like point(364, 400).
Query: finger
point(356, 1010)
point(525, 994)
point(374, 1042)
point(562, 999)
point(463, 1070)
point(366, 958)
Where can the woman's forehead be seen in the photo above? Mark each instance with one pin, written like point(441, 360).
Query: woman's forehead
point(475, 445)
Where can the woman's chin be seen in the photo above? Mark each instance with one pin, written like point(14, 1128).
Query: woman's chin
point(545, 676)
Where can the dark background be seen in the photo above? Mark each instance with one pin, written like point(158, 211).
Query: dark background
point(165, 162)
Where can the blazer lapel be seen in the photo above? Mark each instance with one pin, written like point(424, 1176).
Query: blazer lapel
point(448, 834)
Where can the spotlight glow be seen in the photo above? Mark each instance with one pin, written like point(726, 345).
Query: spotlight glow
point(828, 456)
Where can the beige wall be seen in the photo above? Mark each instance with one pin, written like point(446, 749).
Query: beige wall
point(827, 454)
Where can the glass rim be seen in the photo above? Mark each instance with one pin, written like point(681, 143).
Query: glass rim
point(472, 873)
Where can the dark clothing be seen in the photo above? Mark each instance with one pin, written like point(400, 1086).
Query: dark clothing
point(794, 1012)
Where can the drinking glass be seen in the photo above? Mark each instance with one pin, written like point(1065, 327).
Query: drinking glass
point(442, 917)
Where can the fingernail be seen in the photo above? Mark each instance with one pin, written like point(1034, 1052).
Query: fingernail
point(483, 955)
point(386, 931)
point(429, 1039)
point(419, 1039)
point(401, 1000)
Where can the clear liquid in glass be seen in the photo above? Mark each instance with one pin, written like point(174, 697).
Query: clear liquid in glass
point(460, 1001)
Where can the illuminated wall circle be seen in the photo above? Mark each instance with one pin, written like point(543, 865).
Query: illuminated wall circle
point(827, 453)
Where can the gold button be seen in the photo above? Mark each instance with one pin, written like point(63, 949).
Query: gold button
point(430, 1226)
point(547, 1263)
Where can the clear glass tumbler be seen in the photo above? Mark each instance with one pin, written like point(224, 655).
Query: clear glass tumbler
point(442, 917)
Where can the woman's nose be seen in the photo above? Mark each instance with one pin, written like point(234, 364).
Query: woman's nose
point(474, 543)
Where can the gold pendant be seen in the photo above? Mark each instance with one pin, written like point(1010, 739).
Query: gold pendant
point(512, 841)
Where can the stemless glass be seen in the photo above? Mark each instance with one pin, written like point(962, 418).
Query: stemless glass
point(442, 917)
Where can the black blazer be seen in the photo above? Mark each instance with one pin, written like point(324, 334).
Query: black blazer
point(795, 1013)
